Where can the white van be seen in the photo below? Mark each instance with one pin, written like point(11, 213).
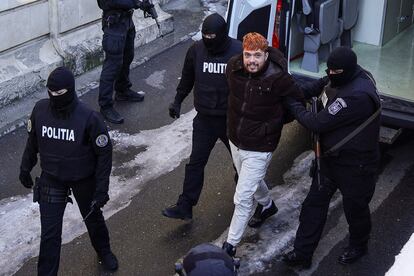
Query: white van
point(381, 32)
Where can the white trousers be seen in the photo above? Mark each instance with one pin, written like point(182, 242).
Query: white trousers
point(251, 167)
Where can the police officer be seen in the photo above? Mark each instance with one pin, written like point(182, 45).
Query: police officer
point(75, 154)
point(118, 45)
point(350, 102)
point(204, 69)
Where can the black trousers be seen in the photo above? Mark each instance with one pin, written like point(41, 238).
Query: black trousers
point(206, 131)
point(51, 218)
point(356, 184)
point(118, 45)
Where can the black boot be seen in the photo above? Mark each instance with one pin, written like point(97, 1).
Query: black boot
point(129, 96)
point(230, 249)
point(293, 259)
point(109, 261)
point(351, 254)
point(260, 216)
point(111, 115)
point(178, 211)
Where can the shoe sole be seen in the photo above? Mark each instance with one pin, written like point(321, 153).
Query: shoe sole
point(128, 100)
point(114, 122)
point(173, 217)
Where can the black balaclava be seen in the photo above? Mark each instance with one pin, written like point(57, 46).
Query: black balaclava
point(341, 58)
point(59, 80)
point(215, 24)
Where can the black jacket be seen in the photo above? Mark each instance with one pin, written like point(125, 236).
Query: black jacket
point(206, 73)
point(351, 105)
point(70, 149)
point(256, 115)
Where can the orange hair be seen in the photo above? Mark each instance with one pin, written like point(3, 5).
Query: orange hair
point(254, 41)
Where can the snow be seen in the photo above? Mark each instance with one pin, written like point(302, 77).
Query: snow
point(404, 265)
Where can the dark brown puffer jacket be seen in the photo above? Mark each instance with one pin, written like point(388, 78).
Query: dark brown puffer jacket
point(255, 112)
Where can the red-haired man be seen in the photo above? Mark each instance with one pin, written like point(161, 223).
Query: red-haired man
point(258, 80)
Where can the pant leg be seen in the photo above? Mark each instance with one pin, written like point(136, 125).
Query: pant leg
point(113, 44)
point(98, 232)
point(357, 185)
point(122, 81)
point(204, 140)
point(252, 171)
point(51, 218)
point(314, 212)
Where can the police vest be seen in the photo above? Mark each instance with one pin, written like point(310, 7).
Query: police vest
point(64, 147)
point(210, 86)
point(365, 141)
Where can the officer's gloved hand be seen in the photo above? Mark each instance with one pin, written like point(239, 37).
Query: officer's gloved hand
point(291, 104)
point(26, 179)
point(324, 80)
point(100, 199)
point(144, 5)
point(174, 109)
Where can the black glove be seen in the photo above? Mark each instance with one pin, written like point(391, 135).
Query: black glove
point(291, 104)
point(26, 179)
point(99, 199)
point(174, 109)
point(144, 5)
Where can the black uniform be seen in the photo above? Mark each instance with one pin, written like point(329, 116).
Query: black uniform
point(204, 70)
point(118, 44)
point(351, 169)
point(75, 153)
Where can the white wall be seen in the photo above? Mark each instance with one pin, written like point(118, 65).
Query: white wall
point(74, 13)
point(23, 24)
point(370, 21)
point(10, 4)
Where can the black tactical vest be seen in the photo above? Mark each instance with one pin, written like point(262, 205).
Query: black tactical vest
point(210, 86)
point(64, 147)
point(366, 140)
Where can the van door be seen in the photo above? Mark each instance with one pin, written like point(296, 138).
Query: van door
point(267, 17)
point(406, 15)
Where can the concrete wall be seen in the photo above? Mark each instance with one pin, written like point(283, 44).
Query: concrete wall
point(23, 23)
point(38, 35)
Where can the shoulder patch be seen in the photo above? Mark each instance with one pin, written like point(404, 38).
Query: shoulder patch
point(336, 106)
point(102, 140)
point(29, 125)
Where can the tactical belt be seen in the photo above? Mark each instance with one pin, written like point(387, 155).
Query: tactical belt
point(120, 13)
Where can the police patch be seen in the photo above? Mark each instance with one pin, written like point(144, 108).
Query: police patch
point(102, 140)
point(29, 125)
point(336, 106)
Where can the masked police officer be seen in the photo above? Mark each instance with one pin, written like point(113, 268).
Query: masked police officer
point(75, 154)
point(348, 126)
point(118, 45)
point(204, 69)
